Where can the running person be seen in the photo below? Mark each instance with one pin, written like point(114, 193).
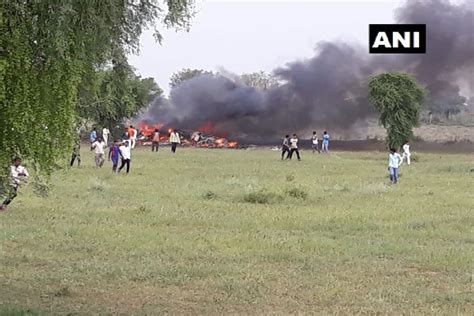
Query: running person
point(18, 173)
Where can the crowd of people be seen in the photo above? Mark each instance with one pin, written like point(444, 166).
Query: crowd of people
point(395, 160)
point(290, 145)
point(121, 149)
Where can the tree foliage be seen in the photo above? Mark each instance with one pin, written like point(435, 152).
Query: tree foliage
point(115, 94)
point(185, 74)
point(260, 80)
point(398, 98)
point(47, 48)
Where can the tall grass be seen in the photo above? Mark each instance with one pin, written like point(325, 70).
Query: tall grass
point(230, 231)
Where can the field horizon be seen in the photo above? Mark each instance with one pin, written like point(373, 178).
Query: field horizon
point(240, 231)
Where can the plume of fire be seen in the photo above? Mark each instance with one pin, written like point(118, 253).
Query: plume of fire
point(187, 139)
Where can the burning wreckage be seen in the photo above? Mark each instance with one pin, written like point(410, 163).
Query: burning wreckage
point(195, 139)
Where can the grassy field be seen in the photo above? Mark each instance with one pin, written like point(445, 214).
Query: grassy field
point(219, 231)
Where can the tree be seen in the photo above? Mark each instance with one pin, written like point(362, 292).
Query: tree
point(116, 94)
point(185, 74)
point(398, 98)
point(259, 80)
point(47, 48)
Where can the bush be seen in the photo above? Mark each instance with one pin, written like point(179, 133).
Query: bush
point(262, 197)
point(209, 195)
point(297, 193)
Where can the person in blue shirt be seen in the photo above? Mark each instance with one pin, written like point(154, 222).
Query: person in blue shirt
point(325, 147)
point(394, 162)
point(93, 135)
point(114, 154)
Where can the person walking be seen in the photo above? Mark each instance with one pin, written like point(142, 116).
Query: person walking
point(174, 140)
point(132, 134)
point(18, 174)
point(93, 135)
point(105, 135)
point(114, 153)
point(314, 143)
point(406, 152)
point(285, 147)
point(155, 144)
point(394, 162)
point(126, 153)
point(294, 146)
point(325, 147)
point(99, 149)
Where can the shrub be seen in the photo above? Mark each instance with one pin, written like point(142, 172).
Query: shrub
point(209, 195)
point(297, 193)
point(262, 197)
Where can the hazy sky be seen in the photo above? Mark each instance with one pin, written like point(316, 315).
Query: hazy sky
point(248, 36)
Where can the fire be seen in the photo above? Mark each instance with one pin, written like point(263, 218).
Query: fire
point(206, 127)
point(148, 130)
point(200, 138)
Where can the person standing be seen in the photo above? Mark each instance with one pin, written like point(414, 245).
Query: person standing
point(93, 135)
point(285, 147)
point(314, 143)
point(155, 142)
point(325, 146)
point(105, 135)
point(114, 153)
point(174, 140)
point(394, 162)
point(18, 173)
point(294, 146)
point(132, 133)
point(76, 152)
point(126, 153)
point(99, 149)
point(406, 153)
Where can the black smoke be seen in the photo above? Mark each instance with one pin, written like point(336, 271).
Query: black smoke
point(329, 90)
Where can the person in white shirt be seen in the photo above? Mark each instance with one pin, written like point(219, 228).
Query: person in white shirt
point(174, 140)
point(406, 152)
point(314, 141)
point(394, 162)
point(294, 146)
point(99, 149)
point(105, 135)
point(126, 154)
point(18, 173)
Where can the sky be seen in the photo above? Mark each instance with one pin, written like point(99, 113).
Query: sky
point(250, 36)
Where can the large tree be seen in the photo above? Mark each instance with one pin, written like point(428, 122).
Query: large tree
point(259, 80)
point(399, 99)
point(185, 74)
point(47, 48)
point(114, 95)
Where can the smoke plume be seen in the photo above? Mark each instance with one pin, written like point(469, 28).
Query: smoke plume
point(329, 90)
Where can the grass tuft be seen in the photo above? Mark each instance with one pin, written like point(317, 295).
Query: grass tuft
point(297, 193)
point(262, 197)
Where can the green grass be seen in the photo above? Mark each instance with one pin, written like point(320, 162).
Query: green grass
point(230, 231)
